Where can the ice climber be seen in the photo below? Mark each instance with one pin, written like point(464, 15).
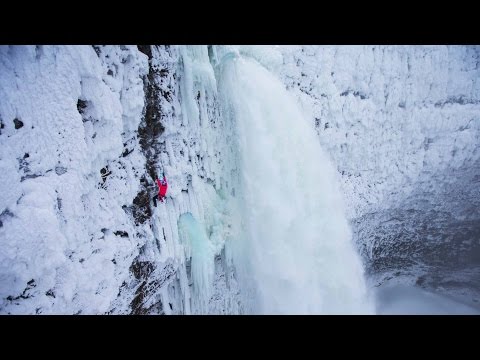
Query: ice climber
point(162, 190)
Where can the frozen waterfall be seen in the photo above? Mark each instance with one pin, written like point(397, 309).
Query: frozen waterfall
point(294, 253)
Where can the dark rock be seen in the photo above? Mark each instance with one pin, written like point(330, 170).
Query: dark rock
point(141, 269)
point(104, 172)
point(50, 293)
point(359, 94)
point(146, 49)
point(121, 233)
point(151, 128)
point(149, 280)
point(31, 284)
point(6, 213)
point(98, 49)
point(127, 152)
point(141, 207)
point(18, 123)
point(31, 176)
point(81, 106)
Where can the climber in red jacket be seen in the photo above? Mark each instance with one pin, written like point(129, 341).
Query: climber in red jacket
point(162, 190)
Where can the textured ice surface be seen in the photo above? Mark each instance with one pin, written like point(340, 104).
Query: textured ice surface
point(400, 124)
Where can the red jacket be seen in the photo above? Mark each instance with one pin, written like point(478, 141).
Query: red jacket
point(162, 188)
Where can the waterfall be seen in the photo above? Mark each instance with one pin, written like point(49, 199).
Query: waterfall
point(294, 252)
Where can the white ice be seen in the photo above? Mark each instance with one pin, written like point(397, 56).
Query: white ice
point(200, 250)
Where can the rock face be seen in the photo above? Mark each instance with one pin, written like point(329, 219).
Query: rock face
point(84, 131)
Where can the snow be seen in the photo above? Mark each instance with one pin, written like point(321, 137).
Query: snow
point(379, 105)
point(397, 141)
point(59, 208)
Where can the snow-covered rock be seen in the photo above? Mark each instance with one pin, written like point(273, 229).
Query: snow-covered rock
point(59, 249)
point(78, 230)
point(402, 124)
